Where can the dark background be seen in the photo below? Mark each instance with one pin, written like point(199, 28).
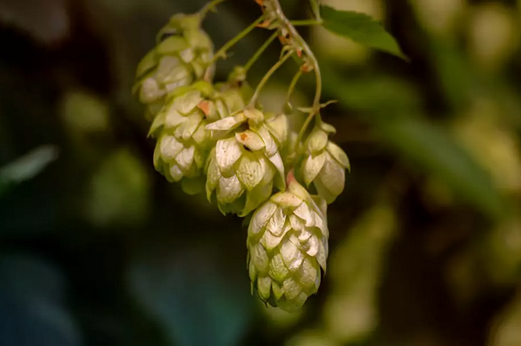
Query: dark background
point(98, 249)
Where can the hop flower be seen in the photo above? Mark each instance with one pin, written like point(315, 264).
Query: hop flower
point(183, 141)
point(324, 164)
point(245, 163)
point(287, 247)
point(183, 55)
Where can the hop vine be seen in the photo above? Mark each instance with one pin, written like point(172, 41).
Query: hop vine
point(215, 138)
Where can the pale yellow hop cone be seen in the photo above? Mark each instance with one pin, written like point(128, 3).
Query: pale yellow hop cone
point(245, 164)
point(324, 163)
point(288, 247)
point(183, 141)
point(183, 55)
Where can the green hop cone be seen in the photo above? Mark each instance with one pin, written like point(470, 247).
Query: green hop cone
point(183, 142)
point(288, 247)
point(183, 55)
point(245, 164)
point(324, 163)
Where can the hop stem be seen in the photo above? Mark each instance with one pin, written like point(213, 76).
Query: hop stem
point(292, 85)
point(306, 22)
point(210, 7)
point(315, 111)
point(259, 52)
point(267, 76)
point(221, 53)
point(274, 13)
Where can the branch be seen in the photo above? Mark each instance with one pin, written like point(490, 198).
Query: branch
point(275, 18)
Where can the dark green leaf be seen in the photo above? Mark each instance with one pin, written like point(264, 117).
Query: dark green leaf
point(360, 28)
point(429, 147)
point(436, 152)
point(372, 92)
point(186, 291)
point(33, 308)
point(27, 166)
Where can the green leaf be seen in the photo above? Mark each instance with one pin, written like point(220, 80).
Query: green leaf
point(436, 152)
point(27, 166)
point(119, 192)
point(373, 93)
point(33, 308)
point(427, 146)
point(360, 28)
point(190, 291)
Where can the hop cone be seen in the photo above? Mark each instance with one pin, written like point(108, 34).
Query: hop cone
point(183, 55)
point(183, 141)
point(324, 164)
point(245, 163)
point(288, 247)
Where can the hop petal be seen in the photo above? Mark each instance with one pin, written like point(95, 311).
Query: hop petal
point(184, 142)
point(180, 58)
point(324, 164)
point(251, 155)
point(287, 248)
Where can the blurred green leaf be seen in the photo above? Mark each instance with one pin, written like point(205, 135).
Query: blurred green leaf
point(32, 304)
point(439, 154)
point(360, 28)
point(456, 74)
point(351, 313)
point(372, 93)
point(27, 166)
point(192, 295)
point(392, 110)
point(119, 192)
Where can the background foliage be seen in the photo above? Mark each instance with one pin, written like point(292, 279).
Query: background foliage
point(98, 249)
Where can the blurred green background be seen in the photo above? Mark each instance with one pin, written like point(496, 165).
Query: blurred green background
point(96, 248)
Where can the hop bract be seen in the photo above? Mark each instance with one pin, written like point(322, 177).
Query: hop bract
point(288, 248)
point(324, 164)
point(183, 142)
point(183, 56)
point(245, 163)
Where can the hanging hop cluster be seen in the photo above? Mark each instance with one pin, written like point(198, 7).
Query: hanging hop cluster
point(210, 138)
point(287, 243)
point(183, 55)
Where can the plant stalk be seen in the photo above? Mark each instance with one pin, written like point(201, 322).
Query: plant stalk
point(274, 14)
point(267, 76)
point(221, 53)
point(210, 7)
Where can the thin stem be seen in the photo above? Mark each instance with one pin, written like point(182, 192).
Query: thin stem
point(302, 131)
point(306, 22)
point(315, 6)
point(313, 112)
point(318, 91)
point(259, 52)
point(293, 84)
point(274, 11)
point(266, 77)
point(222, 52)
point(209, 7)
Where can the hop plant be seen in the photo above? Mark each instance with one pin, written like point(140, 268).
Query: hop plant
point(324, 163)
point(218, 137)
point(183, 140)
point(287, 247)
point(183, 55)
point(245, 164)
